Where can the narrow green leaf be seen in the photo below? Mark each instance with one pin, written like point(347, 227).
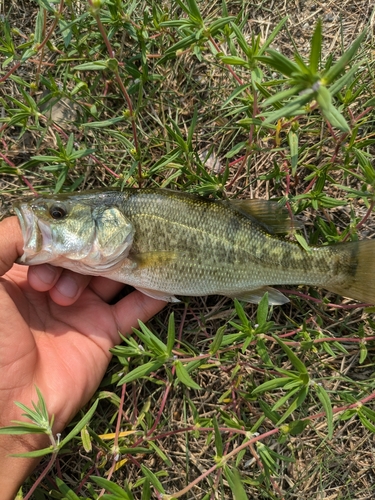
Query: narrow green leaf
point(280, 96)
point(171, 334)
point(110, 486)
point(104, 123)
point(92, 66)
point(262, 311)
point(297, 427)
point(86, 439)
point(236, 92)
point(140, 371)
point(324, 98)
point(149, 336)
point(338, 67)
point(370, 414)
point(36, 453)
point(273, 35)
point(292, 108)
point(158, 451)
point(217, 340)
point(336, 119)
point(182, 44)
point(296, 403)
point(316, 47)
point(194, 11)
point(270, 385)
point(218, 439)
point(233, 61)
point(365, 164)
point(27, 54)
point(293, 145)
point(362, 352)
point(343, 80)
point(22, 428)
point(240, 312)
point(301, 240)
point(67, 492)
point(235, 483)
point(297, 363)
point(369, 425)
point(268, 412)
point(281, 63)
point(42, 405)
point(77, 428)
point(241, 39)
point(38, 34)
point(326, 403)
point(218, 24)
point(146, 490)
point(263, 351)
point(236, 149)
point(153, 479)
point(304, 69)
point(47, 5)
point(184, 377)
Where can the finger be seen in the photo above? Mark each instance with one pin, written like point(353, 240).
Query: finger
point(105, 288)
point(42, 278)
point(135, 306)
point(11, 243)
point(68, 287)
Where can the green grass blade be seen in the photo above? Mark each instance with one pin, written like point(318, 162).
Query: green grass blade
point(81, 424)
point(316, 48)
point(337, 68)
point(327, 405)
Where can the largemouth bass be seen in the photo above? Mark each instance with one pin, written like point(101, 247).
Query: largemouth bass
point(167, 243)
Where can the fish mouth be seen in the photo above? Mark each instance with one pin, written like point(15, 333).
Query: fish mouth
point(36, 236)
point(26, 219)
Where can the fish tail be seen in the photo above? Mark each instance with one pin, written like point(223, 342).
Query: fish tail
point(354, 271)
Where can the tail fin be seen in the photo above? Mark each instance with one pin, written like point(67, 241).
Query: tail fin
point(355, 271)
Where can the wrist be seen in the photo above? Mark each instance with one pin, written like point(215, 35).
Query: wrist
point(14, 470)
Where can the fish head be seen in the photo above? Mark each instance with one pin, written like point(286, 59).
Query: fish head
point(87, 232)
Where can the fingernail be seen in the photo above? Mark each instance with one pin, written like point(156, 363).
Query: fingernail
point(46, 273)
point(67, 286)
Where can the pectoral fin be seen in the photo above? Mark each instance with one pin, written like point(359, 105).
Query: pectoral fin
point(156, 294)
point(275, 298)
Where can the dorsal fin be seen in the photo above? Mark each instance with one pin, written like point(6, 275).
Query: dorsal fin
point(269, 214)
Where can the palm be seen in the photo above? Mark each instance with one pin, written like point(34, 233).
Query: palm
point(62, 350)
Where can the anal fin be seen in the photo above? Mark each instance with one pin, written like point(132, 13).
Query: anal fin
point(157, 294)
point(275, 298)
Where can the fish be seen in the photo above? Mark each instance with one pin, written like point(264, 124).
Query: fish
point(168, 243)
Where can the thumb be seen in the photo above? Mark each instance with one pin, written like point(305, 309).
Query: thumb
point(11, 243)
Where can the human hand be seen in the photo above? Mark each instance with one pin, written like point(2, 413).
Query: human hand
point(56, 329)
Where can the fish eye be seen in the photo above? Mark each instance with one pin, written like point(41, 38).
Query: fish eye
point(57, 212)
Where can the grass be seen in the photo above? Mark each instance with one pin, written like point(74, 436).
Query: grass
point(226, 100)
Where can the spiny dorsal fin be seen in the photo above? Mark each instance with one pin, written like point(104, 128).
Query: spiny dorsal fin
point(270, 214)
